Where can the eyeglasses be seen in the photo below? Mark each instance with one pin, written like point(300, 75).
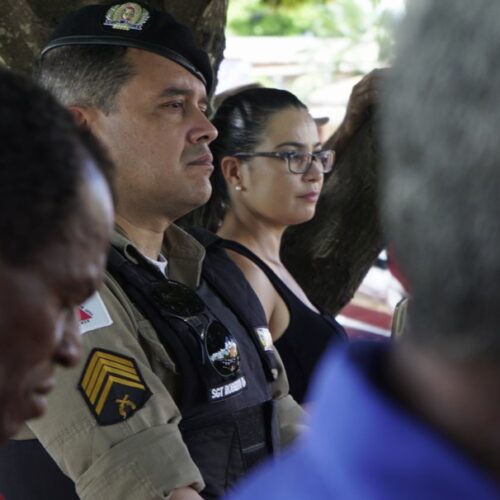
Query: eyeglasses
point(180, 302)
point(296, 162)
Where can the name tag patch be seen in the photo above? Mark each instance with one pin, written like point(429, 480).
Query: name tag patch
point(227, 390)
point(94, 314)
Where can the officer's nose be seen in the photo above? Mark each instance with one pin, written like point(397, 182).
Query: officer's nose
point(202, 131)
point(68, 349)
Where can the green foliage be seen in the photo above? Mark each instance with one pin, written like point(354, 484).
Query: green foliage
point(280, 18)
point(355, 20)
point(294, 17)
point(291, 3)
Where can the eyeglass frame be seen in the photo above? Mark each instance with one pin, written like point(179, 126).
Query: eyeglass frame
point(287, 155)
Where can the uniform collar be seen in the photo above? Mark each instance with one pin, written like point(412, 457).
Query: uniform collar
point(184, 254)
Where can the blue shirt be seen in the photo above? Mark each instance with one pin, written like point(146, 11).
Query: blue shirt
point(364, 446)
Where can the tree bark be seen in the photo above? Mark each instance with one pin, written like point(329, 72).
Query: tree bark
point(22, 34)
point(330, 255)
point(25, 25)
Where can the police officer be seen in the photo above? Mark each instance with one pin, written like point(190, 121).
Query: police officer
point(176, 331)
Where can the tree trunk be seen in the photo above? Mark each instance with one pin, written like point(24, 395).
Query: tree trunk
point(330, 255)
point(25, 25)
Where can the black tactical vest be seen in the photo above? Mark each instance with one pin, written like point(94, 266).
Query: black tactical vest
point(229, 422)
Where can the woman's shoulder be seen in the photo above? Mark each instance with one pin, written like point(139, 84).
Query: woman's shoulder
point(258, 280)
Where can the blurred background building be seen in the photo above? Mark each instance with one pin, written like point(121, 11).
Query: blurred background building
point(317, 49)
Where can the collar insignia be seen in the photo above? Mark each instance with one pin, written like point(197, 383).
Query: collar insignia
point(265, 338)
point(112, 386)
point(127, 16)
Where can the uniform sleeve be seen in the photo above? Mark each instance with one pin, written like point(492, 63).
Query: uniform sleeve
point(291, 416)
point(141, 456)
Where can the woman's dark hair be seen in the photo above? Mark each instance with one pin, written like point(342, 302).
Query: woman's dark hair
point(240, 120)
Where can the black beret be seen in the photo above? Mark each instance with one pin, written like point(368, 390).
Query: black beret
point(132, 24)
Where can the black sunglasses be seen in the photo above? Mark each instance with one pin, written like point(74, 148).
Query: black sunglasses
point(218, 344)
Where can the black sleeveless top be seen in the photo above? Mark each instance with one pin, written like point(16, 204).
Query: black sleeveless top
point(307, 336)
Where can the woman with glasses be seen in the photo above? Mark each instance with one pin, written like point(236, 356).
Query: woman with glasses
point(269, 171)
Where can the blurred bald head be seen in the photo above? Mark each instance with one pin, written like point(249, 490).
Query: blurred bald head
point(441, 180)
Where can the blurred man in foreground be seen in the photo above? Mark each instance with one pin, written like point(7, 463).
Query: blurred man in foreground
point(55, 222)
point(421, 419)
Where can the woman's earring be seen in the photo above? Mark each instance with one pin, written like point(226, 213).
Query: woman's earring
point(237, 188)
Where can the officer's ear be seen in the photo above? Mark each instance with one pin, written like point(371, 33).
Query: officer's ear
point(231, 170)
point(84, 115)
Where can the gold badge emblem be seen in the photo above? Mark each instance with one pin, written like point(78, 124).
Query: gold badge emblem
point(112, 386)
point(127, 16)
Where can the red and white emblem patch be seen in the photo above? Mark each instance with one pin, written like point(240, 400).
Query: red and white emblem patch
point(93, 314)
point(85, 315)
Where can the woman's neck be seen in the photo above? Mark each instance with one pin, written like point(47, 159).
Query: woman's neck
point(261, 238)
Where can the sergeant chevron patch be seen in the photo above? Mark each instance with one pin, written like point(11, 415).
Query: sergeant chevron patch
point(112, 386)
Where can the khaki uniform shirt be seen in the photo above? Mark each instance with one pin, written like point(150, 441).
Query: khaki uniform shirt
point(399, 318)
point(144, 456)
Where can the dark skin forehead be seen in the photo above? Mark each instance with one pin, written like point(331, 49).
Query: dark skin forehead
point(74, 263)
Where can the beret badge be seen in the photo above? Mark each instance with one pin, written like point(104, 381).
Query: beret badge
point(127, 16)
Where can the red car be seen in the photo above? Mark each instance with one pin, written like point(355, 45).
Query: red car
point(369, 314)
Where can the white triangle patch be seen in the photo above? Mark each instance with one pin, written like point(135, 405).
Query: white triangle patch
point(93, 314)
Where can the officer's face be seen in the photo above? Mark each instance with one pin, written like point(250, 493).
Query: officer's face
point(158, 137)
point(38, 322)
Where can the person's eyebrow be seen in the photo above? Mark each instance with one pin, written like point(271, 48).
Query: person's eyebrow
point(173, 91)
point(291, 143)
point(180, 91)
point(79, 289)
point(296, 144)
